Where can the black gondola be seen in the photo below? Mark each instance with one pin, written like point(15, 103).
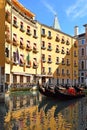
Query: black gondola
point(60, 93)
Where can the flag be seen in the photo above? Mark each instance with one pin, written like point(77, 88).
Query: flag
point(28, 59)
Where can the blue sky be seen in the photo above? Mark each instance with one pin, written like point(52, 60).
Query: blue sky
point(70, 13)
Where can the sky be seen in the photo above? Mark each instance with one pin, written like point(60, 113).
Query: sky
point(70, 13)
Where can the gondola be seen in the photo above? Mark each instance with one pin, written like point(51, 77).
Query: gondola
point(60, 93)
point(46, 91)
point(63, 94)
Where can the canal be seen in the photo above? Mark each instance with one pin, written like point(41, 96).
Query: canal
point(32, 111)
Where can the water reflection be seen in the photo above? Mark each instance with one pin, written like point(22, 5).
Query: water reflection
point(32, 111)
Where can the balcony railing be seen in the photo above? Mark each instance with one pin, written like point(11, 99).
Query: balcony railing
point(49, 48)
point(43, 35)
point(49, 37)
point(43, 47)
point(43, 72)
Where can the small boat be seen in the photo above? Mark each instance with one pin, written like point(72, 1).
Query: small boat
point(60, 93)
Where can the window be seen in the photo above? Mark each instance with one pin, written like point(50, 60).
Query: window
point(82, 64)
point(34, 32)
point(21, 25)
point(15, 21)
point(43, 31)
point(49, 33)
point(34, 62)
point(21, 41)
point(14, 56)
point(82, 74)
point(75, 53)
point(83, 41)
point(82, 51)
point(43, 57)
point(7, 77)
point(63, 61)
point(14, 78)
point(43, 44)
point(14, 37)
point(6, 52)
point(28, 44)
point(67, 61)
point(28, 29)
point(67, 71)
point(49, 69)
point(57, 71)
point(35, 46)
point(21, 59)
point(57, 59)
point(62, 71)
point(49, 58)
point(28, 79)
point(62, 81)
point(21, 78)
point(49, 46)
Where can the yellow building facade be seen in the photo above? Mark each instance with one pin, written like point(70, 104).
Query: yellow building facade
point(31, 51)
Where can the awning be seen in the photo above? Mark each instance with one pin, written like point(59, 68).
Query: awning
point(21, 73)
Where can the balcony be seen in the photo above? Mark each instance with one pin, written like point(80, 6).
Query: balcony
point(15, 43)
point(62, 41)
point(43, 73)
point(57, 39)
point(35, 50)
point(68, 64)
point(49, 37)
point(67, 42)
point(22, 46)
point(43, 60)
point(35, 66)
point(43, 35)
point(8, 40)
point(28, 48)
point(7, 60)
point(67, 53)
point(63, 63)
point(49, 61)
point(49, 48)
point(29, 33)
point(22, 29)
point(63, 74)
point(43, 47)
point(15, 24)
point(62, 52)
point(49, 73)
point(8, 17)
point(34, 36)
point(75, 44)
point(75, 65)
point(57, 51)
point(57, 62)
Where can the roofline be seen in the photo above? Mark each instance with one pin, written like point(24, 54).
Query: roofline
point(23, 9)
point(56, 30)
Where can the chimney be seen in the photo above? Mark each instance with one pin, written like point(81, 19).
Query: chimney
point(76, 31)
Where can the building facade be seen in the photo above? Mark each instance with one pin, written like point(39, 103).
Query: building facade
point(82, 41)
point(33, 52)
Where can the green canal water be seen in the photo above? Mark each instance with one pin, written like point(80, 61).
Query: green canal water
point(32, 111)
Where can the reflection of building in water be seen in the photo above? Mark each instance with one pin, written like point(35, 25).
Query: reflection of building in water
point(82, 121)
point(24, 113)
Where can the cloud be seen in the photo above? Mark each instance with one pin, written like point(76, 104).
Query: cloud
point(78, 9)
point(49, 7)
